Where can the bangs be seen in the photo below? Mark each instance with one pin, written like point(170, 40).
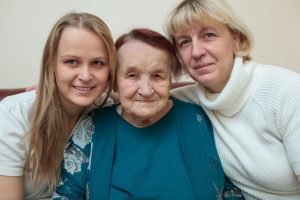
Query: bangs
point(185, 17)
point(192, 13)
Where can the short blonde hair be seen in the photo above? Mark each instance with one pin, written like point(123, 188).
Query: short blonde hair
point(189, 12)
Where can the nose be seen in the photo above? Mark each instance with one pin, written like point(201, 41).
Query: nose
point(197, 49)
point(145, 87)
point(85, 74)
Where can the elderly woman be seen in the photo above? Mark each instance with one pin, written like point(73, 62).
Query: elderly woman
point(254, 108)
point(149, 146)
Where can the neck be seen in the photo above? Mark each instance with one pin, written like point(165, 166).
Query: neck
point(72, 118)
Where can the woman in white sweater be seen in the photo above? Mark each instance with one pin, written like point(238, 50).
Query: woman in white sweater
point(254, 108)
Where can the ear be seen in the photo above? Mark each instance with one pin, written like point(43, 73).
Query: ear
point(237, 41)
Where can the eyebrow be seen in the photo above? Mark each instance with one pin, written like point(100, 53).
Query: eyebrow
point(77, 57)
point(159, 69)
point(205, 28)
point(131, 68)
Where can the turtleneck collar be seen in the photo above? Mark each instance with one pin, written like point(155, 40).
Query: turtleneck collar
point(236, 92)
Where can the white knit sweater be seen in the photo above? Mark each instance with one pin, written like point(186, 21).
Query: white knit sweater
point(256, 120)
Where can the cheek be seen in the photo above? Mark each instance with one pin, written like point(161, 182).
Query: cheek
point(163, 90)
point(126, 90)
point(103, 75)
point(64, 75)
point(185, 55)
point(60, 79)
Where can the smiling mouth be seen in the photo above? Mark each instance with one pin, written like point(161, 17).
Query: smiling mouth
point(202, 65)
point(84, 89)
point(145, 101)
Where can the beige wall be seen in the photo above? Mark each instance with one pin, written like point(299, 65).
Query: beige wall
point(25, 26)
point(276, 30)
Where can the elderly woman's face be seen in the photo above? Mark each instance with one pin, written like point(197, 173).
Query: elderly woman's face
point(143, 81)
point(207, 50)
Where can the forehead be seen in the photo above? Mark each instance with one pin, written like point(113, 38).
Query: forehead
point(201, 26)
point(78, 38)
point(137, 54)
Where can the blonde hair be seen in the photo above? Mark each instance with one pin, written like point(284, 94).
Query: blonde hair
point(49, 130)
point(189, 12)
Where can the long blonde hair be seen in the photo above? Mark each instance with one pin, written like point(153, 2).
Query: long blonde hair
point(49, 130)
point(189, 12)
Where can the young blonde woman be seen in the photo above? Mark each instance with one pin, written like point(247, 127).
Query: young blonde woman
point(254, 108)
point(77, 62)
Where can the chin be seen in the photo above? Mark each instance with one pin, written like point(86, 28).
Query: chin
point(145, 116)
point(205, 81)
point(84, 103)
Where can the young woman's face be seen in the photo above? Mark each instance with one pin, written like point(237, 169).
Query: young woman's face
point(207, 51)
point(82, 68)
point(143, 82)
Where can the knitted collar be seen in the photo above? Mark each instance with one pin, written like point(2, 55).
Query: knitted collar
point(236, 92)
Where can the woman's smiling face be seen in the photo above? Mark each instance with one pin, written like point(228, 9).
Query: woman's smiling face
point(143, 81)
point(82, 70)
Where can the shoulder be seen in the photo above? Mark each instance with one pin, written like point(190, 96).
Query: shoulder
point(279, 82)
point(280, 72)
point(14, 126)
point(179, 104)
point(185, 89)
point(15, 111)
point(190, 93)
point(19, 102)
point(100, 112)
point(272, 74)
point(82, 133)
point(188, 112)
point(105, 108)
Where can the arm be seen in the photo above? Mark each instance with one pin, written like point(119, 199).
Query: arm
point(11, 187)
point(289, 123)
point(74, 170)
point(188, 93)
point(12, 151)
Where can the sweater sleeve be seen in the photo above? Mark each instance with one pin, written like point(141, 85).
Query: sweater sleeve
point(74, 170)
point(187, 94)
point(288, 119)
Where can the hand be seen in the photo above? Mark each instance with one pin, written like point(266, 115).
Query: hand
point(30, 88)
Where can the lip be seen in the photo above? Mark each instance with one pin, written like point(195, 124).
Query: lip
point(202, 65)
point(145, 101)
point(83, 89)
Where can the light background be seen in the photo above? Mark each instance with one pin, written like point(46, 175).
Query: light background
point(25, 25)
